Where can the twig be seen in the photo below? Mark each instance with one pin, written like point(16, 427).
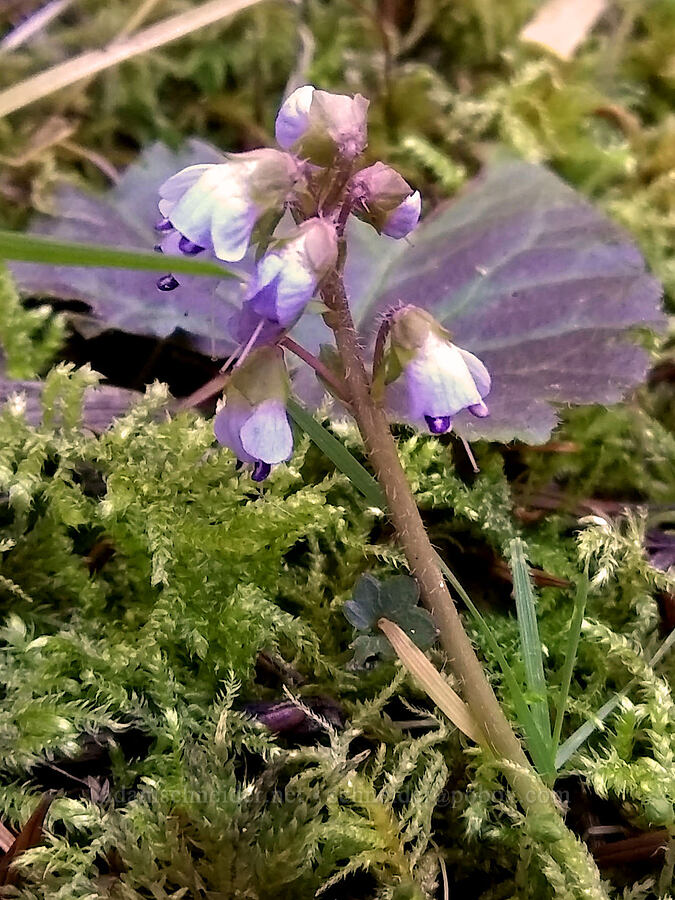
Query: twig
point(94, 61)
point(562, 25)
point(136, 20)
point(33, 25)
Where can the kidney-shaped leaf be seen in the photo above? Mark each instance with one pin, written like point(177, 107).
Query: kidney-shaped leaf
point(534, 281)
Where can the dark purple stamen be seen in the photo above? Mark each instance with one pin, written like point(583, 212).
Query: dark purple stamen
point(158, 248)
point(167, 283)
point(185, 245)
point(163, 225)
point(438, 424)
point(261, 470)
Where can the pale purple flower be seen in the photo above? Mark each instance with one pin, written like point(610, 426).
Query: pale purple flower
point(319, 126)
point(246, 321)
point(252, 419)
point(384, 198)
point(431, 379)
point(217, 206)
point(287, 276)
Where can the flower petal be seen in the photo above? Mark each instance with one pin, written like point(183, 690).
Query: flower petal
point(287, 275)
point(293, 117)
point(233, 224)
point(244, 322)
point(228, 423)
point(175, 187)
point(404, 218)
point(266, 435)
point(479, 373)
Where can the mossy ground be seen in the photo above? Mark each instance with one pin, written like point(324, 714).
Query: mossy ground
point(141, 577)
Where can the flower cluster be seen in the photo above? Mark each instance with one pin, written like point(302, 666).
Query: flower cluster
point(293, 204)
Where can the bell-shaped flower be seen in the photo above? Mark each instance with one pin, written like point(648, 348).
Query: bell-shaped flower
point(252, 419)
point(319, 126)
point(217, 206)
point(384, 198)
point(287, 276)
point(427, 378)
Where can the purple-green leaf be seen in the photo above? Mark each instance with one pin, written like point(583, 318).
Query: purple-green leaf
point(538, 284)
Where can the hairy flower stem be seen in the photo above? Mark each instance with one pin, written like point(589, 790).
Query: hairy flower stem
point(411, 533)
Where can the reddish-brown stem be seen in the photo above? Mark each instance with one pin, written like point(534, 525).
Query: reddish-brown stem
point(205, 392)
point(330, 377)
point(215, 385)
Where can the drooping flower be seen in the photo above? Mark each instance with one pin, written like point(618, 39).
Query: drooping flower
point(287, 276)
point(384, 198)
point(217, 206)
point(319, 126)
point(427, 378)
point(252, 419)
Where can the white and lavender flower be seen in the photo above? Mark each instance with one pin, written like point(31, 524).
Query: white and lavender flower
point(384, 198)
point(285, 280)
point(217, 206)
point(428, 379)
point(287, 276)
point(252, 419)
point(320, 126)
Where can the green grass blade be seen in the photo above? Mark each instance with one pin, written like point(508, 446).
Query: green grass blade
point(336, 451)
point(575, 740)
point(573, 638)
point(366, 484)
point(32, 248)
point(530, 642)
point(538, 747)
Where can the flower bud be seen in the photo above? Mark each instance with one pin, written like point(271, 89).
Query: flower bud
point(384, 198)
point(287, 276)
point(293, 116)
point(428, 378)
point(252, 419)
point(217, 206)
point(404, 218)
point(319, 126)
